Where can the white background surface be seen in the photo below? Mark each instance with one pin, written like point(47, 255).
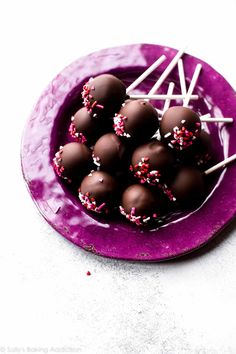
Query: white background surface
point(47, 303)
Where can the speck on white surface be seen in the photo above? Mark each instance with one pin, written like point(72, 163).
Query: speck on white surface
point(47, 302)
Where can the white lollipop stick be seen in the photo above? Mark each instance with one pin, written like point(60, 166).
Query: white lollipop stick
point(192, 84)
point(146, 73)
point(216, 120)
point(169, 92)
point(162, 97)
point(182, 77)
point(202, 117)
point(159, 112)
point(205, 116)
point(220, 164)
point(166, 72)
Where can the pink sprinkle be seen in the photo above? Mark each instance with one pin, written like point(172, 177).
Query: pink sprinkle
point(138, 220)
point(119, 125)
point(183, 137)
point(101, 206)
point(79, 137)
point(144, 174)
point(132, 211)
point(90, 203)
point(100, 106)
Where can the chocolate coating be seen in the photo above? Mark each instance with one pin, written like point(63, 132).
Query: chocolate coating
point(103, 95)
point(84, 128)
point(188, 186)
point(201, 152)
point(138, 204)
point(73, 161)
point(137, 120)
point(98, 192)
point(152, 162)
point(179, 127)
point(109, 152)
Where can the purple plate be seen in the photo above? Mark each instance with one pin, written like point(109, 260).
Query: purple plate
point(46, 130)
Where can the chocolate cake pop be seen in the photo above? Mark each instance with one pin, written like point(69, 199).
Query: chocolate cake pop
point(108, 153)
point(98, 192)
point(179, 127)
point(137, 120)
point(103, 95)
point(151, 162)
point(73, 161)
point(84, 128)
point(139, 204)
point(188, 187)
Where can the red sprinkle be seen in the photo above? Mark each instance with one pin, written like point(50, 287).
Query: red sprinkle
point(88, 97)
point(88, 273)
point(77, 135)
point(143, 172)
point(119, 125)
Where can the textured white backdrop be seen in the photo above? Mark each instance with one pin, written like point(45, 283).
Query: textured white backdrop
point(47, 303)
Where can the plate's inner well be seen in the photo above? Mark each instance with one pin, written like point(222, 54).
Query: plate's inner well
point(202, 106)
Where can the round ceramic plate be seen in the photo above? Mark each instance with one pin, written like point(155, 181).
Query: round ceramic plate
point(47, 128)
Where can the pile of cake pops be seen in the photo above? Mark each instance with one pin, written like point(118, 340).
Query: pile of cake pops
point(130, 157)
